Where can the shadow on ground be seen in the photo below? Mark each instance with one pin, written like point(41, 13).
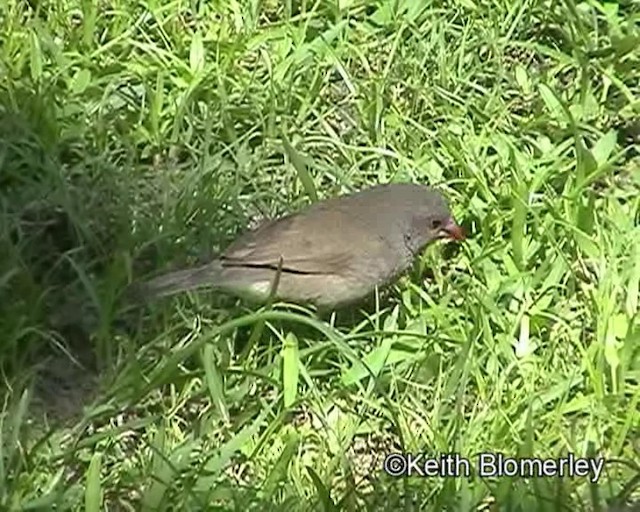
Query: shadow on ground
point(75, 226)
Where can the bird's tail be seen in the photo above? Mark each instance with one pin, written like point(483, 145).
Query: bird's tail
point(178, 281)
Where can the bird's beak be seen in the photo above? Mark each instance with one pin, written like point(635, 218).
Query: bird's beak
point(452, 230)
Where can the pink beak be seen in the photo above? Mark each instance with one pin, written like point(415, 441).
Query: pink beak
point(452, 230)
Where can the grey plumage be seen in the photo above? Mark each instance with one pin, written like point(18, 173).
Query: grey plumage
point(333, 252)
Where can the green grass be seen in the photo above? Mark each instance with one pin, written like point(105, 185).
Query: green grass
point(136, 137)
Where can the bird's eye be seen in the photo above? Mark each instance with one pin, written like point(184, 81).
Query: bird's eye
point(436, 224)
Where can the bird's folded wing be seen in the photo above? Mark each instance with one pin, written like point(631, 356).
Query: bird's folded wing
point(318, 244)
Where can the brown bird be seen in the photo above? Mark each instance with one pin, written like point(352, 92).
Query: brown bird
point(331, 253)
